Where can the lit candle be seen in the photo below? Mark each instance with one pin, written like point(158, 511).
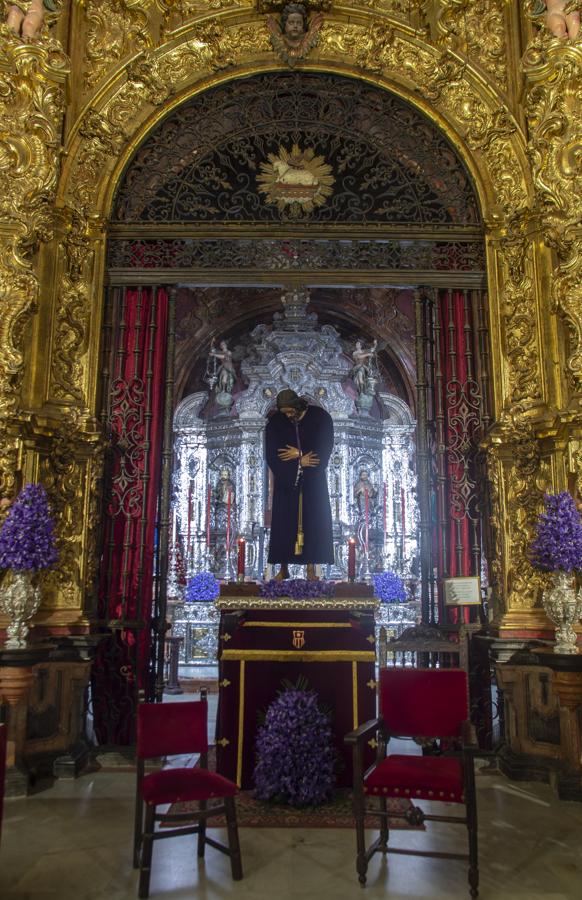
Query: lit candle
point(385, 508)
point(403, 514)
point(189, 517)
point(240, 563)
point(208, 499)
point(367, 519)
point(351, 559)
point(228, 504)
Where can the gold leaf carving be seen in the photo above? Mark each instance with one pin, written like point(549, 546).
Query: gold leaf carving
point(102, 142)
point(520, 321)
point(475, 28)
point(519, 476)
point(146, 75)
point(115, 28)
point(32, 80)
point(69, 463)
point(73, 313)
point(553, 102)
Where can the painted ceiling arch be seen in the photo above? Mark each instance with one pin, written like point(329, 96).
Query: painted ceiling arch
point(288, 146)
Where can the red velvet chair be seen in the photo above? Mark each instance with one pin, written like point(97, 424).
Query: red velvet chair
point(167, 729)
point(428, 704)
point(3, 738)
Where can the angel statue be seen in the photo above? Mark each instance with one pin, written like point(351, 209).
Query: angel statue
point(364, 371)
point(561, 20)
point(294, 35)
point(365, 375)
point(220, 374)
point(25, 18)
point(226, 374)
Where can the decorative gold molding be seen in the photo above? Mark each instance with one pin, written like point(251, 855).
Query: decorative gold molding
point(553, 70)
point(368, 604)
point(114, 29)
point(519, 476)
point(32, 102)
point(321, 656)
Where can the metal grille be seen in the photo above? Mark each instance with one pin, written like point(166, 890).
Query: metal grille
point(296, 255)
point(387, 163)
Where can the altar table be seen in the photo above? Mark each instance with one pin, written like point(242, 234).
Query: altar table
point(260, 647)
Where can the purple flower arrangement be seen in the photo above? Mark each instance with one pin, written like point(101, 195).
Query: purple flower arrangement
point(27, 540)
point(558, 542)
point(389, 587)
point(296, 757)
point(296, 588)
point(202, 588)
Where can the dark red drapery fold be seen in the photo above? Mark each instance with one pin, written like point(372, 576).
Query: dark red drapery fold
point(135, 420)
point(458, 414)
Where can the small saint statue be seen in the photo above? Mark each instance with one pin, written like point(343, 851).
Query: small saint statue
point(224, 492)
point(294, 35)
point(363, 487)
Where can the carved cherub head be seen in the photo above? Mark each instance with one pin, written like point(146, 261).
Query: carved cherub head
point(294, 22)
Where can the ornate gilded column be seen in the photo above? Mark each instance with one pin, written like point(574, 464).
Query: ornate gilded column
point(32, 101)
point(33, 80)
point(535, 445)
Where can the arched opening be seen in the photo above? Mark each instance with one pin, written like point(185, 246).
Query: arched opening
point(324, 188)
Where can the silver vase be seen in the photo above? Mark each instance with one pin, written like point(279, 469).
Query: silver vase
point(563, 608)
point(19, 601)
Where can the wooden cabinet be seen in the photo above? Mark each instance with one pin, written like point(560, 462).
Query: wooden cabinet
point(542, 693)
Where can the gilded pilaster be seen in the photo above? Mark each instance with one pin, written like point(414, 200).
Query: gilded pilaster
point(553, 105)
point(32, 99)
point(70, 467)
point(32, 78)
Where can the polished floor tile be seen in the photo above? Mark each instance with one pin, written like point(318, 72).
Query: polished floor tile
point(72, 841)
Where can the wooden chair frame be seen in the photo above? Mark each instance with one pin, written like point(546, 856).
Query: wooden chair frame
point(376, 729)
point(145, 832)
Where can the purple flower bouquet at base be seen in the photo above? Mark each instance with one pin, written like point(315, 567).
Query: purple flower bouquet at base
point(296, 757)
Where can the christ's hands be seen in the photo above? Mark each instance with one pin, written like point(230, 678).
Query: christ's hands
point(288, 453)
point(308, 460)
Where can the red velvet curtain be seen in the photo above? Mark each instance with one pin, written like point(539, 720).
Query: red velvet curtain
point(458, 417)
point(136, 361)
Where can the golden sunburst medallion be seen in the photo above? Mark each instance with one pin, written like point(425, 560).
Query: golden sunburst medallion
point(297, 180)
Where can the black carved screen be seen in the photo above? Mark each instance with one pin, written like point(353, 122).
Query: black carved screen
point(386, 162)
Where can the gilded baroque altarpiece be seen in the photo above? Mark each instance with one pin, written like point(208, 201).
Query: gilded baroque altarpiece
point(77, 100)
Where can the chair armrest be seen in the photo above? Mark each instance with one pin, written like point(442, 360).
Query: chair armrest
point(358, 735)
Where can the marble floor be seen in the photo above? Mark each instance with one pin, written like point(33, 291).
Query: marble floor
point(72, 841)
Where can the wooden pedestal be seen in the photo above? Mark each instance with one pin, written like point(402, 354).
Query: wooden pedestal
point(542, 693)
point(43, 691)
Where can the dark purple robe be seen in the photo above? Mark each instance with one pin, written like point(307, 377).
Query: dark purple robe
point(316, 434)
